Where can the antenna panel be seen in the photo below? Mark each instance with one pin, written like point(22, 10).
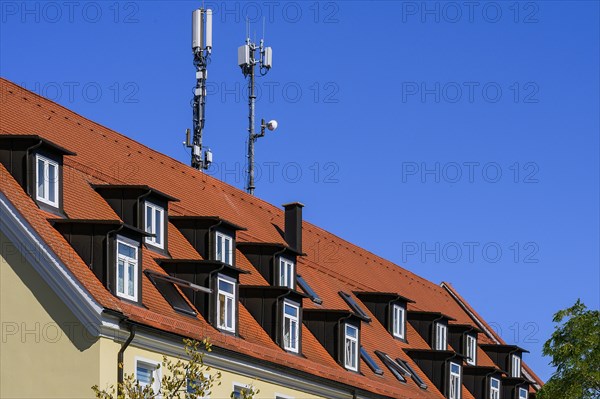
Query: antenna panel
point(244, 55)
point(208, 43)
point(268, 61)
point(197, 29)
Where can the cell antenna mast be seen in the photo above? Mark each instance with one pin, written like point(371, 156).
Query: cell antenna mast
point(247, 60)
point(201, 48)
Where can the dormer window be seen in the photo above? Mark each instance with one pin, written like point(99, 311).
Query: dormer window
point(155, 216)
point(494, 388)
point(523, 393)
point(223, 248)
point(127, 269)
point(516, 366)
point(287, 274)
point(471, 349)
point(441, 337)
point(454, 388)
point(399, 321)
point(226, 300)
point(291, 326)
point(46, 180)
point(351, 347)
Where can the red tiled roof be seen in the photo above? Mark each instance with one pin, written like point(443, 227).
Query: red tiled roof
point(107, 157)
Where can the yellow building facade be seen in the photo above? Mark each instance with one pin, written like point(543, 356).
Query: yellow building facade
point(47, 352)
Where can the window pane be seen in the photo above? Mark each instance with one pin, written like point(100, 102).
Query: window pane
point(287, 332)
point(282, 272)
point(41, 178)
point(221, 321)
point(158, 229)
point(294, 342)
point(127, 250)
point(351, 331)
point(52, 180)
point(149, 220)
point(290, 273)
point(225, 286)
point(455, 368)
point(229, 306)
point(219, 248)
point(348, 353)
point(144, 375)
point(291, 310)
point(121, 277)
point(227, 251)
point(130, 278)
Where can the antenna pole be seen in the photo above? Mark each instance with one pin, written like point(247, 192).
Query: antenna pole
point(201, 47)
point(251, 136)
point(247, 60)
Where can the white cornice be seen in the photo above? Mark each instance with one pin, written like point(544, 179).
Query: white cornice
point(248, 368)
point(48, 265)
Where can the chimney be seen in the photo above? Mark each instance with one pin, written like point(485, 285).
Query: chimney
point(293, 225)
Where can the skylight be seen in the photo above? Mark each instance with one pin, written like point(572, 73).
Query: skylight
point(370, 362)
point(308, 290)
point(392, 365)
point(355, 306)
point(164, 285)
point(412, 373)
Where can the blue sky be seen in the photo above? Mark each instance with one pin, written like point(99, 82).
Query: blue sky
point(459, 141)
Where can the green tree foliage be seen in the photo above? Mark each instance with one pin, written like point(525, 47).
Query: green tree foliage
point(575, 350)
point(188, 379)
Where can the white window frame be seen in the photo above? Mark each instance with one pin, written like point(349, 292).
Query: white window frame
point(156, 373)
point(46, 183)
point(126, 259)
point(516, 366)
point(287, 270)
point(228, 296)
point(152, 230)
point(494, 390)
point(441, 331)
point(454, 382)
point(523, 391)
point(226, 248)
point(236, 385)
point(294, 346)
point(351, 364)
point(471, 349)
point(187, 387)
point(398, 318)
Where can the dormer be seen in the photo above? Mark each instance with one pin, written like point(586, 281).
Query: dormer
point(463, 338)
point(483, 382)
point(111, 249)
point(212, 237)
point(219, 306)
point(444, 369)
point(432, 326)
point(279, 312)
point(389, 309)
point(506, 357)
point(339, 333)
point(275, 262)
point(142, 207)
point(37, 165)
point(515, 388)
